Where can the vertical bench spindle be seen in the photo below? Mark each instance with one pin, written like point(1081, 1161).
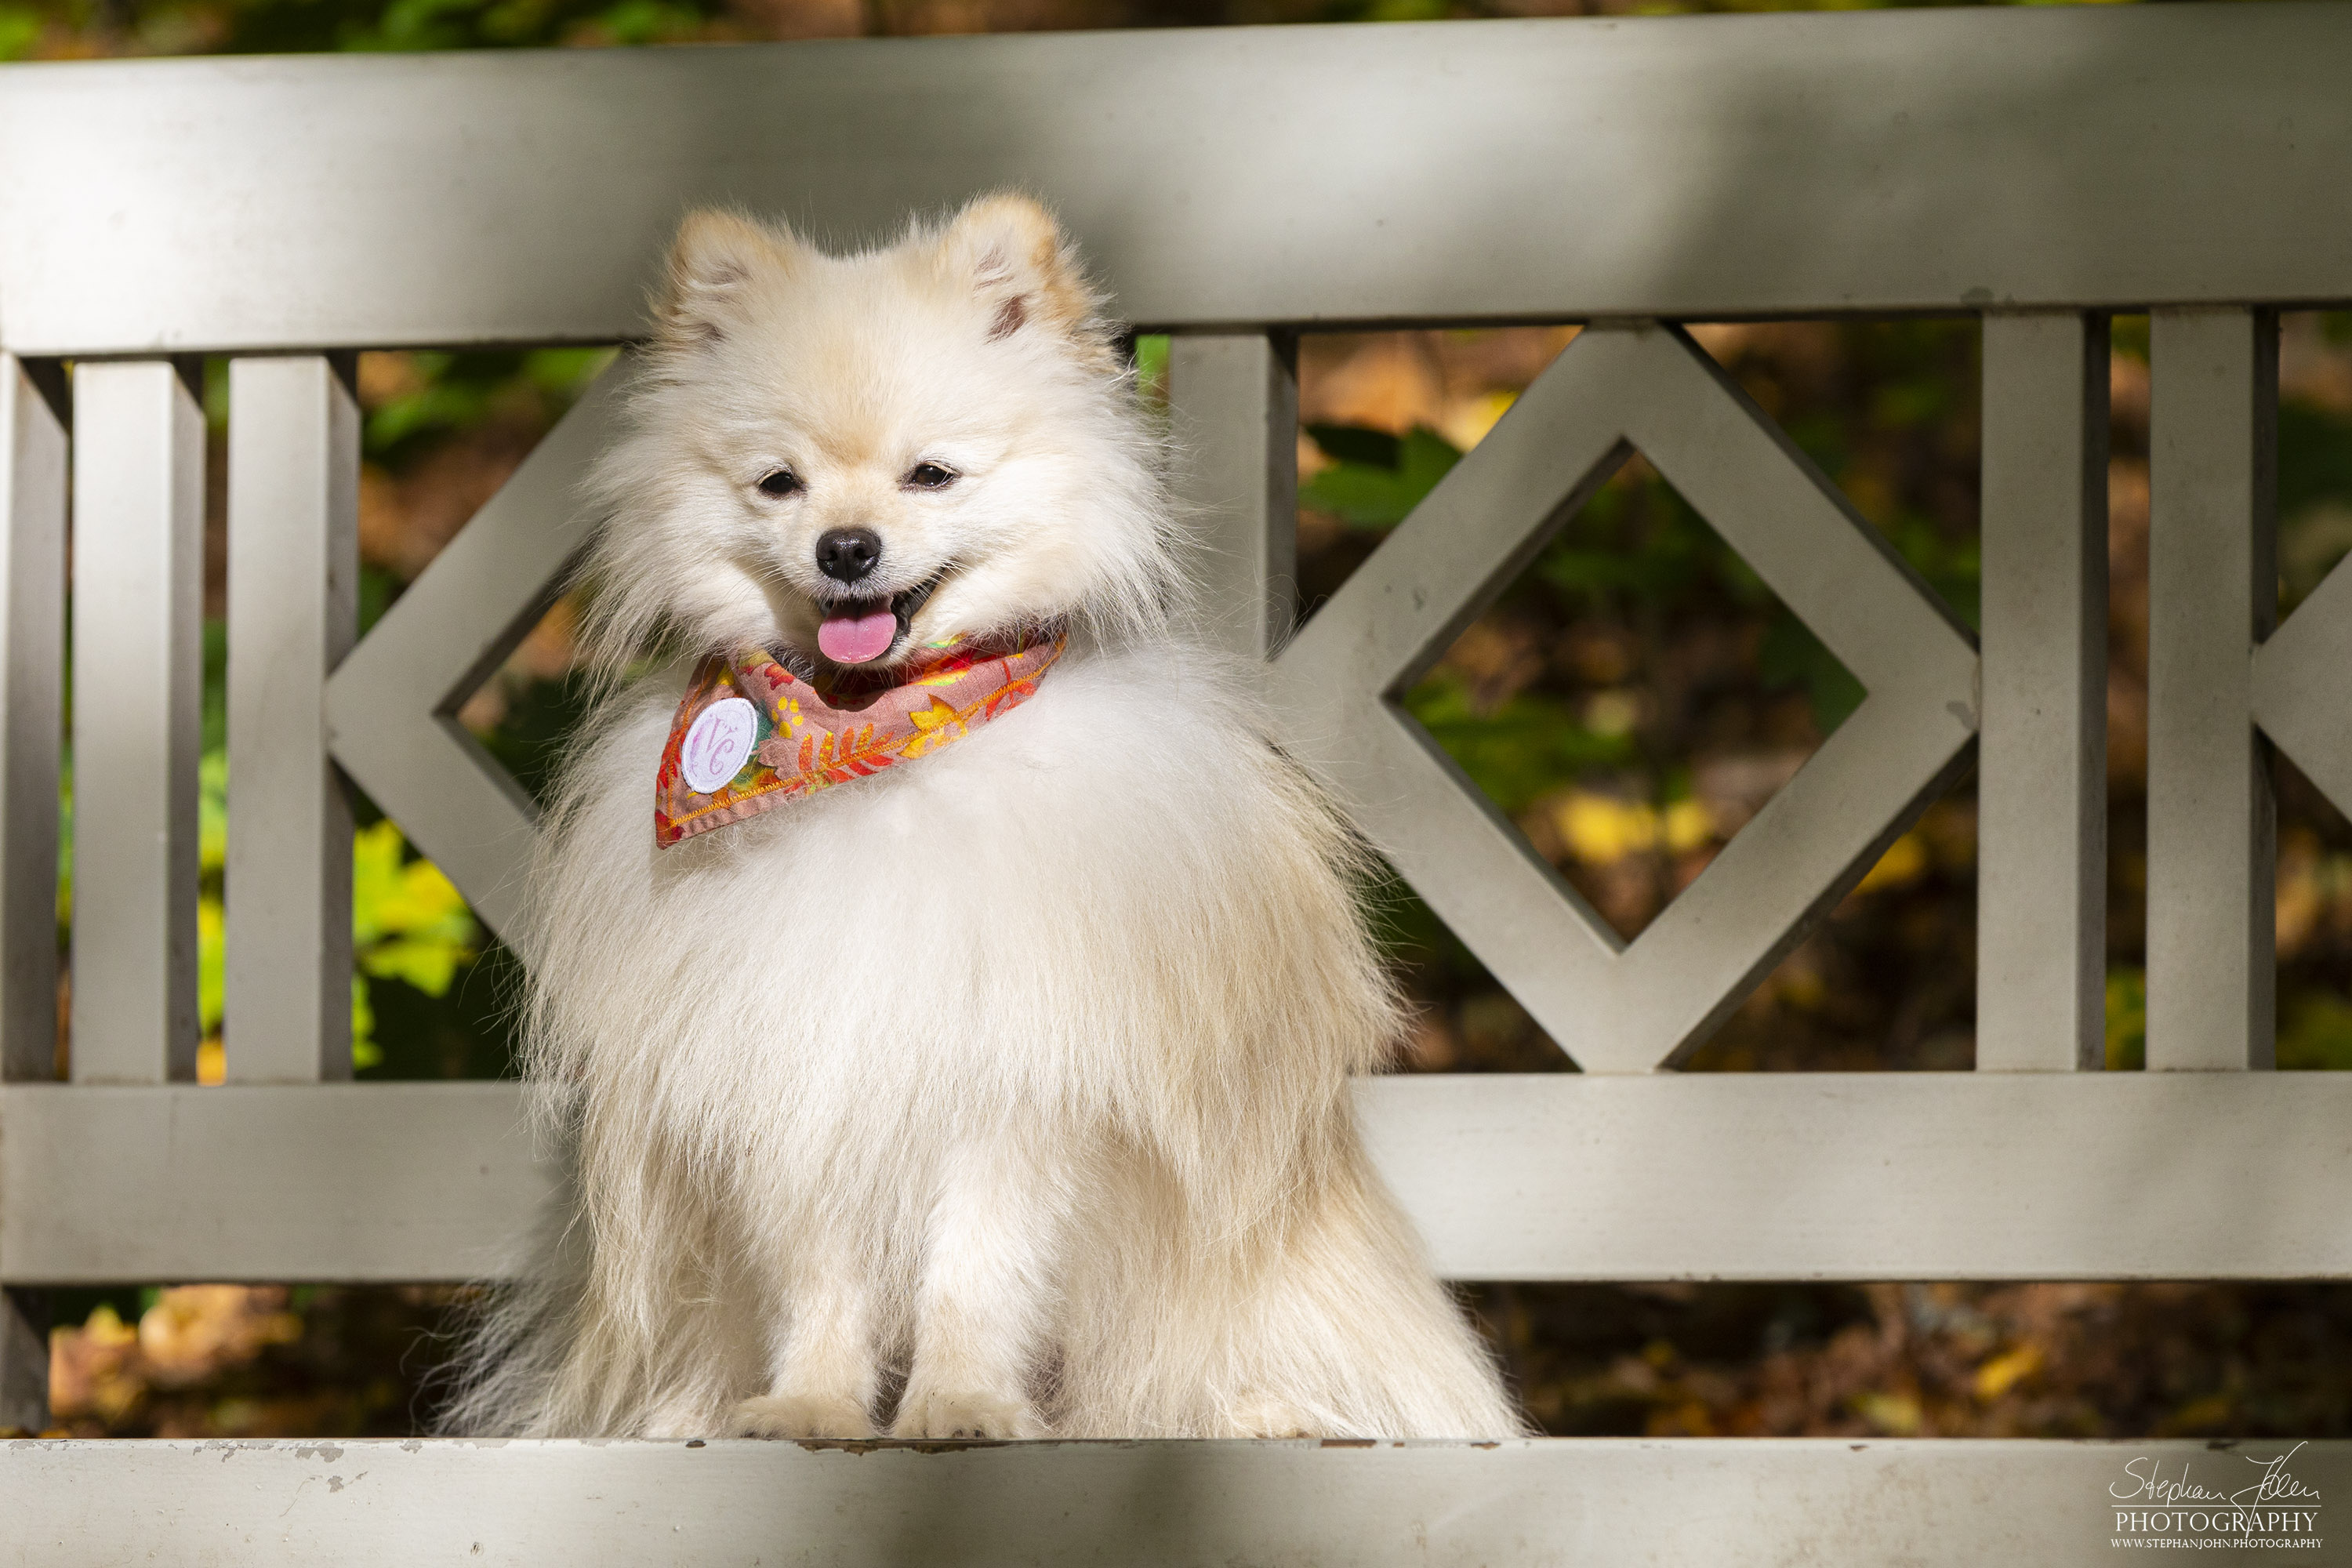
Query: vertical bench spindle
point(1233, 401)
point(2213, 595)
point(2042, 929)
point(293, 611)
point(32, 659)
point(138, 690)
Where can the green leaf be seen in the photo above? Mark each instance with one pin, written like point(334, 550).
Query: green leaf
point(212, 968)
point(1354, 444)
point(408, 921)
point(2126, 1020)
point(2318, 1034)
point(20, 29)
point(212, 812)
point(429, 964)
point(1424, 457)
point(365, 1052)
point(1375, 478)
point(1152, 368)
point(564, 374)
point(442, 405)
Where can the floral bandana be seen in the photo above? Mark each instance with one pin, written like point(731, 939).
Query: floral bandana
point(750, 735)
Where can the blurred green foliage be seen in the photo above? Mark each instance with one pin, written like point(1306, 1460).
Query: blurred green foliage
point(2126, 1020)
point(409, 922)
point(454, 391)
point(1516, 752)
point(288, 26)
point(1375, 479)
point(2315, 497)
point(1151, 369)
point(50, 28)
point(2316, 1032)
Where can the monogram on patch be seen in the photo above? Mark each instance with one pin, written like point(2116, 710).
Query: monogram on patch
point(717, 743)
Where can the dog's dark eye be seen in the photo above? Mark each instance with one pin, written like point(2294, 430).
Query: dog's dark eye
point(782, 482)
point(929, 476)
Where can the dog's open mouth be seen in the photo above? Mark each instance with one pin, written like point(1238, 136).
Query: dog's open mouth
point(859, 631)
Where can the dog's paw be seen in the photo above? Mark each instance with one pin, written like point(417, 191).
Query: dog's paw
point(937, 1414)
point(1264, 1416)
point(800, 1416)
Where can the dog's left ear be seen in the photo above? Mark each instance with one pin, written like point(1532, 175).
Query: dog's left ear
point(1009, 251)
point(713, 266)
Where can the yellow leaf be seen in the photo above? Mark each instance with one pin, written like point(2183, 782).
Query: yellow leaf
point(2007, 1370)
point(1466, 424)
point(1906, 861)
point(1601, 831)
point(105, 1327)
point(1688, 824)
point(1895, 1413)
point(429, 966)
point(212, 962)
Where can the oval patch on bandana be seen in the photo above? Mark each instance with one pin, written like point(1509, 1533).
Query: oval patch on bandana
point(719, 745)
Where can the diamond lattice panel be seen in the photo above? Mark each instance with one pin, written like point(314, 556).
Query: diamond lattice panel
point(1613, 1006)
point(392, 705)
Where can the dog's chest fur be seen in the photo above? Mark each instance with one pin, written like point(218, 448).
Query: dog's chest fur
point(1042, 921)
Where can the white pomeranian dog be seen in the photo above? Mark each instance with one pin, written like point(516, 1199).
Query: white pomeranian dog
point(949, 994)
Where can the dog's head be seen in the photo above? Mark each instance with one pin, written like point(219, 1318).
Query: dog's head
point(859, 456)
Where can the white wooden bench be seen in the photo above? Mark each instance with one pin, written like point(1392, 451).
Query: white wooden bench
point(2042, 169)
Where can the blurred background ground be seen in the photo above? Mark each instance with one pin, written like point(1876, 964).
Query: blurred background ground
point(1632, 700)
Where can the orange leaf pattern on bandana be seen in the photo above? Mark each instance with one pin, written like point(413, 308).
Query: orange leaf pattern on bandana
point(812, 735)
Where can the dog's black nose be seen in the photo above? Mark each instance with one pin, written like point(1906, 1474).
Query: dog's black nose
point(846, 554)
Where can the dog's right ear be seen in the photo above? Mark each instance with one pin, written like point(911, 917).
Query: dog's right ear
point(711, 266)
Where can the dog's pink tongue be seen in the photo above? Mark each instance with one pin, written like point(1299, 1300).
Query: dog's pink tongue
point(854, 640)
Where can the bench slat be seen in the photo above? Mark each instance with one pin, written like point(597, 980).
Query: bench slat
point(1685, 168)
point(1700, 1176)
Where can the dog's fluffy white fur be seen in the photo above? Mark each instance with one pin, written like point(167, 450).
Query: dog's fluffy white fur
point(1004, 1093)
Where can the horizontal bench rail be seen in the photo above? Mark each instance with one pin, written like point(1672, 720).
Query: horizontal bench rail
point(1595, 1503)
point(1698, 169)
point(1855, 1176)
